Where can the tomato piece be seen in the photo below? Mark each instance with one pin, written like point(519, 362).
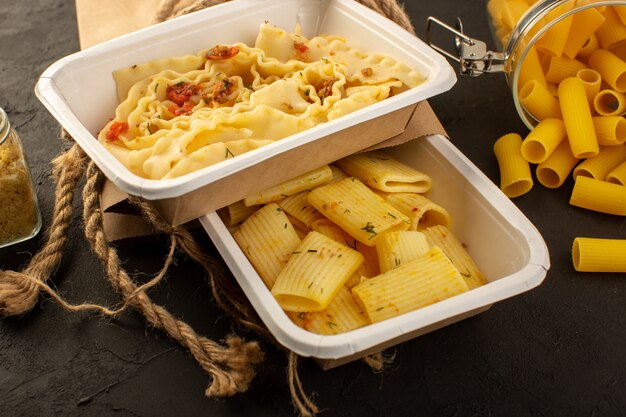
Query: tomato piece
point(181, 92)
point(221, 90)
point(300, 47)
point(116, 129)
point(219, 52)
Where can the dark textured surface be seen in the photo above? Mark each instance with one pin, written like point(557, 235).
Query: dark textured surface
point(558, 350)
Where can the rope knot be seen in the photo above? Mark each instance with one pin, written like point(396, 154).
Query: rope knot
point(18, 293)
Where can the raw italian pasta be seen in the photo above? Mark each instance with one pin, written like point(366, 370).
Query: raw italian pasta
point(515, 177)
point(577, 118)
point(553, 172)
point(541, 104)
point(599, 195)
point(600, 165)
point(599, 255)
point(592, 81)
point(609, 103)
point(610, 130)
point(618, 174)
point(182, 114)
point(543, 140)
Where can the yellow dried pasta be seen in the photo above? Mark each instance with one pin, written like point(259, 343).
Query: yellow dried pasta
point(599, 196)
point(600, 165)
point(599, 255)
point(515, 177)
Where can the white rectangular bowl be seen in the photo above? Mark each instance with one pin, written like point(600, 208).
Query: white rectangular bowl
point(80, 92)
point(505, 245)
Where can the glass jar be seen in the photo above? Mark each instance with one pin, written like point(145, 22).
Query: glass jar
point(520, 28)
point(20, 218)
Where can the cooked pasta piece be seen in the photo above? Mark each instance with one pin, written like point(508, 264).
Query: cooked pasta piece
point(538, 101)
point(183, 114)
point(267, 238)
point(380, 171)
point(421, 211)
point(342, 315)
point(515, 177)
point(610, 130)
point(609, 103)
point(559, 68)
point(585, 23)
point(235, 213)
point(591, 81)
point(600, 165)
point(398, 248)
point(599, 255)
point(598, 195)
point(618, 174)
point(553, 172)
point(315, 272)
point(443, 238)
point(577, 118)
point(357, 210)
point(421, 282)
point(300, 210)
point(611, 68)
point(338, 174)
point(543, 140)
point(612, 31)
point(368, 268)
point(293, 186)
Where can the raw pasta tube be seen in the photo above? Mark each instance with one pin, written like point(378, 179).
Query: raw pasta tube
point(597, 195)
point(342, 315)
point(424, 281)
point(380, 171)
point(553, 172)
point(577, 118)
point(543, 140)
point(421, 211)
point(553, 41)
point(610, 130)
point(609, 103)
point(237, 212)
point(612, 31)
point(611, 68)
point(306, 181)
point(618, 174)
point(531, 69)
point(314, 274)
point(589, 47)
point(600, 165)
point(359, 211)
point(397, 248)
point(442, 237)
point(515, 176)
point(267, 239)
point(538, 101)
point(591, 81)
point(599, 255)
point(559, 68)
point(585, 23)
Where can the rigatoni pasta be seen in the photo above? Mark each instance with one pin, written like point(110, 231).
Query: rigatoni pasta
point(306, 181)
point(515, 176)
point(600, 165)
point(421, 211)
point(599, 196)
point(543, 140)
point(377, 170)
point(553, 172)
point(315, 272)
point(617, 174)
point(577, 118)
point(421, 282)
point(357, 210)
point(397, 248)
point(599, 255)
point(268, 239)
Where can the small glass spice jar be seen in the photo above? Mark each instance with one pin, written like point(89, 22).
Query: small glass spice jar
point(20, 218)
point(530, 33)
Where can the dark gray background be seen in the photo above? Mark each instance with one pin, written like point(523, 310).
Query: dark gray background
point(558, 350)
